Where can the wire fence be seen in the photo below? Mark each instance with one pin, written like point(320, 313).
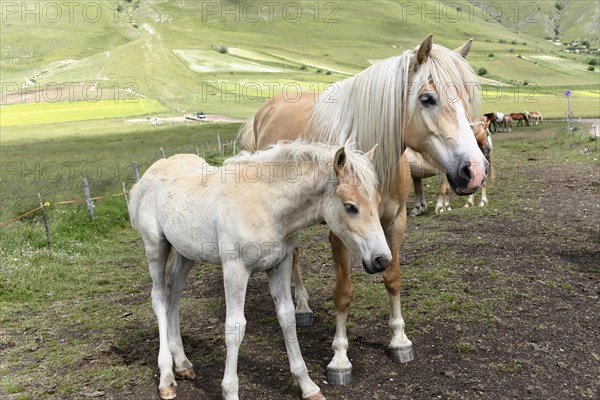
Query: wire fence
point(207, 149)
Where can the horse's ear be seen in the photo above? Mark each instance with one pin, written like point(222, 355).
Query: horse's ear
point(369, 154)
point(339, 161)
point(425, 49)
point(464, 49)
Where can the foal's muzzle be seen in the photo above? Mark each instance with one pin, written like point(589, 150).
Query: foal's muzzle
point(379, 263)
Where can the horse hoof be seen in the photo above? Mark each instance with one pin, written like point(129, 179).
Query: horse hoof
point(304, 319)
point(187, 374)
point(339, 377)
point(167, 393)
point(316, 396)
point(402, 355)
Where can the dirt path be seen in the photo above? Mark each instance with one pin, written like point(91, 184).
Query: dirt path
point(500, 303)
point(524, 276)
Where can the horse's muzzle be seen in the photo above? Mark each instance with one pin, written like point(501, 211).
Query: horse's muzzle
point(468, 177)
point(379, 263)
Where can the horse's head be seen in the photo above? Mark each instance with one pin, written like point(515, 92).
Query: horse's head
point(442, 96)
point(483, 136)
point(352, 209)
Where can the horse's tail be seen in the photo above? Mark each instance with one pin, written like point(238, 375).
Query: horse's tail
point(246, 136)
point(541, 118)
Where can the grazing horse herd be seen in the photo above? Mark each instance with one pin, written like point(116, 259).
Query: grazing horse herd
point(500, 122)
point(344, 159)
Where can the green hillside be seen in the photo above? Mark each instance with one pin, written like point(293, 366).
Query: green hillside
point(228, 57)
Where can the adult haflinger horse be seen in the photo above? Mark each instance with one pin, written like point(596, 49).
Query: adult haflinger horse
point(219, 215)
point(421, 99)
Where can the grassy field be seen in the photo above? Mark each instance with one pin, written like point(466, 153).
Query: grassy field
point(156, 49)
point(94, 281)
point(56, 165)
point(51, 113)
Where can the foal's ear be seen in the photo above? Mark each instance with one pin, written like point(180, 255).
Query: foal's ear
point(425, 49)
point(465, 48)
point(339, 161)
point(369, 154)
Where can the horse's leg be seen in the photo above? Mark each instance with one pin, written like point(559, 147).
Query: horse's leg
point(470, 201)
point(180, 268)
point(420, 200)
point(443, 202)
point(339, 370)
point(440, 206)
point(235, 280)
point(158, 252)
point(484, 199)
point(400, 348)
point(279, 284)
point(304, 315)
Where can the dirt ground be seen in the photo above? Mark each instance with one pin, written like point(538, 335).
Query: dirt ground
point(522, 321)
point(539, 279)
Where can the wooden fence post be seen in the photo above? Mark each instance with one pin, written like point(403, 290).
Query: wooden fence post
point(45, 222)
point(88, 198)
point(136, 171)
point(234, 147)
point(162, 151)
point(197, 151)
point(126, 195)
point(219, 143)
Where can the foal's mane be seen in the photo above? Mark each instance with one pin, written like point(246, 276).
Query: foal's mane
point(374, 106)
point(300, 152)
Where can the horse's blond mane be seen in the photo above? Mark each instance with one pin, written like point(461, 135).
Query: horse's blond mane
point(374, 106)
point(301, 152)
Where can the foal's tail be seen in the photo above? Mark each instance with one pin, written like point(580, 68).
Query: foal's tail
point(246, 136)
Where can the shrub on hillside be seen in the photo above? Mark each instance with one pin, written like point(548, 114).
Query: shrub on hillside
point(223, 49)
point(482, 71)
point(591, 68)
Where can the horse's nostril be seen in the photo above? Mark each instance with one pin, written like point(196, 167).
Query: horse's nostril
point(380, 263)
point(465, 171)
point(377, 262)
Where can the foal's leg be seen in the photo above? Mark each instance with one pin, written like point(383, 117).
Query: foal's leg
point(279, 283)
point(157, 252)
point(235, 280)
point(304, 315)
point(400, 347)
point(339, 370)
point(180, 267)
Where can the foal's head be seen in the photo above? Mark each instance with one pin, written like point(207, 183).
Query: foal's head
point(352, 209)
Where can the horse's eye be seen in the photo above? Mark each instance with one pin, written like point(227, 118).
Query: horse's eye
point(350, 208)
point(428, 100)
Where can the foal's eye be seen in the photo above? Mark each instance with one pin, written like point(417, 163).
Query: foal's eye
point(428, 100)
point(351, 208)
